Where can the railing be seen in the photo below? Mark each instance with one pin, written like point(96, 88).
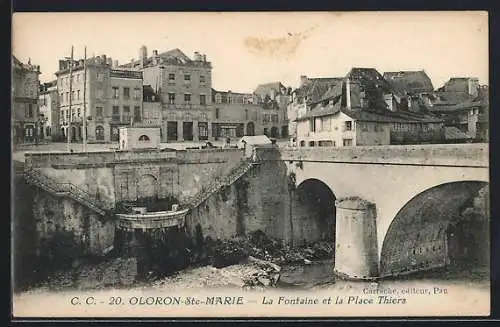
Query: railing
point(68, 189)
point(228, 180)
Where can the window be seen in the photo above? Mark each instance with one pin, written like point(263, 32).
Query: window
point(137, 94)
point(274, 118)
point(78, 94)
point(126, 114)
point(115, 92)
point(115, 116)
point(217, 112)
point(187, 98)
point(203, 99)
point(203, 131)
point(202, 80)
point(143, 138)
point(126, 93)
point(347, 142)
point(98, 112)
point(171, 98)
point(100, 77)
point(171, 78)
point(246, 114)
point(29, 111)
point(78, 77)
point(62, 97)
point(137, 114)
point(73, 95)
point(348, 126)
point(78, 112)
point(363, 126)
point(99, 133)
point(187, 78)
point(67, 96)
point(218, 98)
point(266, 118)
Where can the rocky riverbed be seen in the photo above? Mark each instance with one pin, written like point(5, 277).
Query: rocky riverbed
point(254, 262)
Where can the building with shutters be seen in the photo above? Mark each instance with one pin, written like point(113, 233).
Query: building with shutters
point(25, 112)
point(184, 88)
point(113, 98)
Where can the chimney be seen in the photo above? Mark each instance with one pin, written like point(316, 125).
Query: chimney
point(303, 80)
point(205, 58)
point(110, 62)
point(115, 63)
point(348, 93)
point(104, 59)
point(155, 53)
point(197, 56)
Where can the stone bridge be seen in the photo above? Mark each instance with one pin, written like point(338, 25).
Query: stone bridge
point(388, 208)
point(415, 192)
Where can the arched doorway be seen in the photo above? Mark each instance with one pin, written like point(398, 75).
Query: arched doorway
point(250, 129)
point(147, 187)
point(274, 132)
point(313, 212)
point(99, 133)
point(444, 226)
point(80, 135)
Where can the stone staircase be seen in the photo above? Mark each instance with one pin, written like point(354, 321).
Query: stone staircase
point(72, 191)
point(218, 184)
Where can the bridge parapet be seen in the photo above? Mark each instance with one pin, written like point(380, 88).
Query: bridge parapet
point(469, 155)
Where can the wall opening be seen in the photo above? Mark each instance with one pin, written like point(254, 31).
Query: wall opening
point(313, 212)
point(147, 187)
point(446, 226)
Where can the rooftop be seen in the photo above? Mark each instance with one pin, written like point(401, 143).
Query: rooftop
point(409, 82)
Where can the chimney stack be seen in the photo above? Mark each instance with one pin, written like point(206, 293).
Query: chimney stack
point(303, 80)
point(155, 53)
point(115, 63)
point(104, 59)
point(348, 93)
point(197, 56)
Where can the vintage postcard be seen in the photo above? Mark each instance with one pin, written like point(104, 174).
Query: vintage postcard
point(295, 164)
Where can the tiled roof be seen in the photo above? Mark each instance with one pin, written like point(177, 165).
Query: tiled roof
point(315, 88)
point(174, 56)
point(265, 89)
point(372, 116)
point(409, 81)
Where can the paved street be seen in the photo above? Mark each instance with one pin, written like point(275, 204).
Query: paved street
point(18, 153)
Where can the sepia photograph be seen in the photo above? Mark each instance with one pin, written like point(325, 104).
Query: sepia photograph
point(250, 164)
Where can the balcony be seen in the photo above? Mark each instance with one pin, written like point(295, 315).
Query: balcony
point(125, 74)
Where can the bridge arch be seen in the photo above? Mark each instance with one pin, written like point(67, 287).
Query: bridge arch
point(147, 186)
point(313, 212)
point(439, 227)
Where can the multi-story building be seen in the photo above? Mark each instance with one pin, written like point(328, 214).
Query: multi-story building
point(310, 90)
point(362, 109)
point(25, 113)
point(235, 114)
point(184, 87)
point(49, 111)
point(113, 98)
point(274, 98)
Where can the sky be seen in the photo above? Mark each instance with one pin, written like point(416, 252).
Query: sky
point(247, 49)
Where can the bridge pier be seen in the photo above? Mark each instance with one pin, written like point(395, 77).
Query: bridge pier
point(356, 255)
